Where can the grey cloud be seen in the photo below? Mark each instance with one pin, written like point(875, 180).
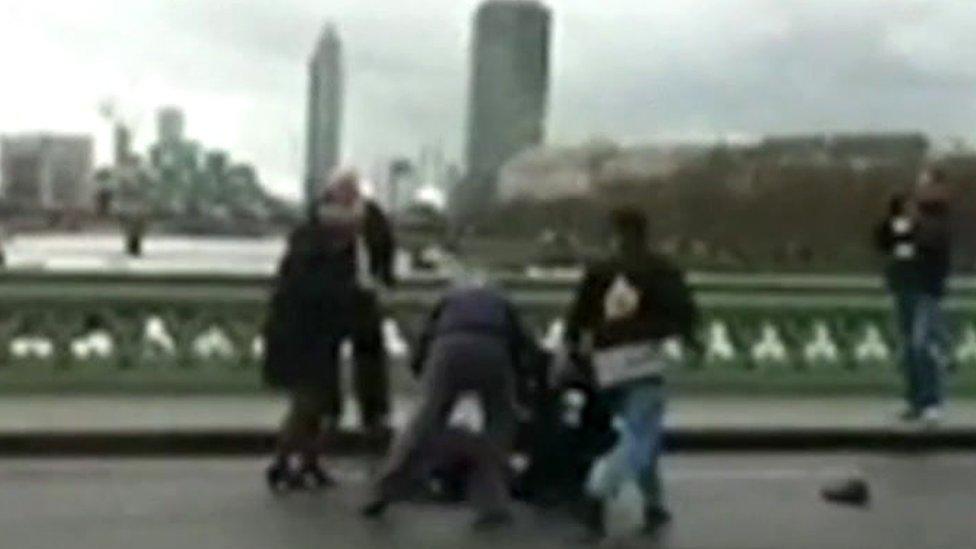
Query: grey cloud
point(622, 68)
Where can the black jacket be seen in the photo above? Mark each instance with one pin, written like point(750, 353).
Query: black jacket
point(934, 248)
point(666, 307)
point(380, 243)
point(900, 251)
point(311, 308)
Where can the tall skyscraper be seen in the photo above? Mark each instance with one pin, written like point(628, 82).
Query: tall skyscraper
point(509, 90)
point(325, 97)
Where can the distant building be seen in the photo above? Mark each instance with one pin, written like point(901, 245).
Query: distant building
point(325, 109)
point(550, 173)
point(170, 125)
point(48, 172)
point(509, 90)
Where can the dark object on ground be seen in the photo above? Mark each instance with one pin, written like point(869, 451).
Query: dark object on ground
point(570, 429)
point(853, 491)
point(282, 478)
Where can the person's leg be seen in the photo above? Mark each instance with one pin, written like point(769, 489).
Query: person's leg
point(650, 421)
point(299, 427)
point(929, 352)
point(404, 458)
point(905, 310)
point(497, 396)
point(331, 390)
point(296, 439)
point(370, 378)
point(488, 482)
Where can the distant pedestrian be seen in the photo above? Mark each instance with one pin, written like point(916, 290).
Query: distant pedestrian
point(372, 259)
point(624, 311)
point(135, 231)
point(929, 350)
point(473, 343)
point(915, 238)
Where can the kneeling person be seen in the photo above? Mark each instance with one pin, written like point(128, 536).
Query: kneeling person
point(473, 343)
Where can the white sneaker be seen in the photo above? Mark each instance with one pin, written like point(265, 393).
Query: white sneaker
point(932, 416)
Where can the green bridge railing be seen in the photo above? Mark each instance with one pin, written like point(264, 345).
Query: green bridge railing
point(87, 331)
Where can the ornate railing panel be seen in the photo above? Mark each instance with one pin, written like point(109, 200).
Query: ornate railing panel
point(70, 327)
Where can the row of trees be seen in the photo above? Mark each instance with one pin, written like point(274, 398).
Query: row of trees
point(735, 211)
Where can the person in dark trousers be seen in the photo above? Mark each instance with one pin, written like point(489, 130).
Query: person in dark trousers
point(474, 343)
point(135, 230)
point(372, 258)
point(625, 309)
point(915, 238)
point(311, 308)
point(928, 353)
point(895, 238)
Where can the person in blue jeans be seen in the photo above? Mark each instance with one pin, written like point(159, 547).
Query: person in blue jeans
point(928, 352)
point(625, 309)
point(916, 239)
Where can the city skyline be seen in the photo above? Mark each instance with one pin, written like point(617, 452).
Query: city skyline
point(624, 69)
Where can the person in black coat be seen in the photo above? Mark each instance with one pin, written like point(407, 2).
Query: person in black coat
point(372, 262)
point(311, 308)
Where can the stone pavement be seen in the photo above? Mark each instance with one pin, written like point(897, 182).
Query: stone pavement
point(246, 424)
point(44, 413)
point(720, 501)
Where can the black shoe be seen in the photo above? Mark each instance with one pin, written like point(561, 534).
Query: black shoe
point(374, 509)
point(279, 477)
point(312, 476)
point(492, 521)
point(849, 492)
point(655, 517)
point(591, 514)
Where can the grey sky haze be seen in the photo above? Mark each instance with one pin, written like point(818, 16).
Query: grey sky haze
point(632, 70)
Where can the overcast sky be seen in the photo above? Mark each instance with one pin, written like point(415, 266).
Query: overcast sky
point(632, 70)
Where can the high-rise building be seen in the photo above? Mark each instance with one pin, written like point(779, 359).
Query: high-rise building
point(509, 89)
point(170, 125)
point(48, 172)
point(325, 95)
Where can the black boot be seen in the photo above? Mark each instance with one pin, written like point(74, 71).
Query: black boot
point(591, 514)
point(655, 516)
point(279, 476)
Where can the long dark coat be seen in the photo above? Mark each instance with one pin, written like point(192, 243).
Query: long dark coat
point(311, 308)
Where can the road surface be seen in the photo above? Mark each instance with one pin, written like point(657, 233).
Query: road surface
point(727, 501)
